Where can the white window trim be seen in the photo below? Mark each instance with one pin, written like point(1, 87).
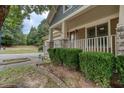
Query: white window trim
point(67, 9)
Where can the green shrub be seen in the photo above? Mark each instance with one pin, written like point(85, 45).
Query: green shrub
point(55, 55)
point(71, 58)
point(120, 68)
point(97, 66)
point(67, 56)
point(51, 54)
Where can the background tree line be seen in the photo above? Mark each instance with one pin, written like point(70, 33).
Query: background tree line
point(35, 37)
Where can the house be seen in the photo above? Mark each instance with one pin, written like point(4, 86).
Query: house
point(98, 28)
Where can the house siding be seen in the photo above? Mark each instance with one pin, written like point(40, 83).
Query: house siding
point(60, 15)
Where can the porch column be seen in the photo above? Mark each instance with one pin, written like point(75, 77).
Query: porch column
point(51, 38)
point(120, 32)
point(64, 34)
point(64, 30)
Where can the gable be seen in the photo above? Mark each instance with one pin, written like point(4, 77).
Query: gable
point(60, 15)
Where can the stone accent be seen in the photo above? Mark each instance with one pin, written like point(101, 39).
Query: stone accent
point(120, 40)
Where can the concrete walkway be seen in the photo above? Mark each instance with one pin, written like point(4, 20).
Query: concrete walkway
point(33, 56)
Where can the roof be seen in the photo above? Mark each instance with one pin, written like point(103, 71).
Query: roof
point(56, 14)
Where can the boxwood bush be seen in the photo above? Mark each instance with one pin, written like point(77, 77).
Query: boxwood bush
point(120, 68)
point(52, 54)
point(97, 66)
point(69, 57)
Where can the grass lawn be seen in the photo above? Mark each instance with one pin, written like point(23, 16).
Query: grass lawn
point(19, 50)
point(25, 76)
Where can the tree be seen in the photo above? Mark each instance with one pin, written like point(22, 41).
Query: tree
point(12, 26)
point(32, 36)
point(42, 31)
point(35, 37)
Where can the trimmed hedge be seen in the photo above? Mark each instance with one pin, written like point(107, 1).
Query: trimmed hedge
point(71, 58)
point(97, 66)
point(120, 68)
point(51, 54)
point(67, 56)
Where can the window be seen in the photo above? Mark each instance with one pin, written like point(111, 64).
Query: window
point(66, 8)
point(91, 32)
point(102, 30)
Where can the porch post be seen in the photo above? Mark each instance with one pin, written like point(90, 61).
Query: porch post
point(120, 32)
point(51, 38)
point(64, 34)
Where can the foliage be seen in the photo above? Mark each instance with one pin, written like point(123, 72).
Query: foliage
point(119, 66)
point(35, 37)
point(68, 57)
point(38, 9)
point(11, 30)
point(51, 52)
point(71, 58)
point(97, 66)
point(7, 39)
point(32, 36)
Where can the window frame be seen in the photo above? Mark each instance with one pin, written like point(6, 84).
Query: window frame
point(104, 24)
point(89, 31)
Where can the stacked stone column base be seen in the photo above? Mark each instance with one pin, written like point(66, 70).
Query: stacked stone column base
point(120, 40)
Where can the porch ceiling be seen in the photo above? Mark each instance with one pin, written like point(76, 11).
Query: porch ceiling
point(92, 15)
point(93, 9)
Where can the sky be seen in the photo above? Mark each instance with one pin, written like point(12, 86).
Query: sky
point(34, 21)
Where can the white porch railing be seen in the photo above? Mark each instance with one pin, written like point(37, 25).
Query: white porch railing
point(97, 44)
